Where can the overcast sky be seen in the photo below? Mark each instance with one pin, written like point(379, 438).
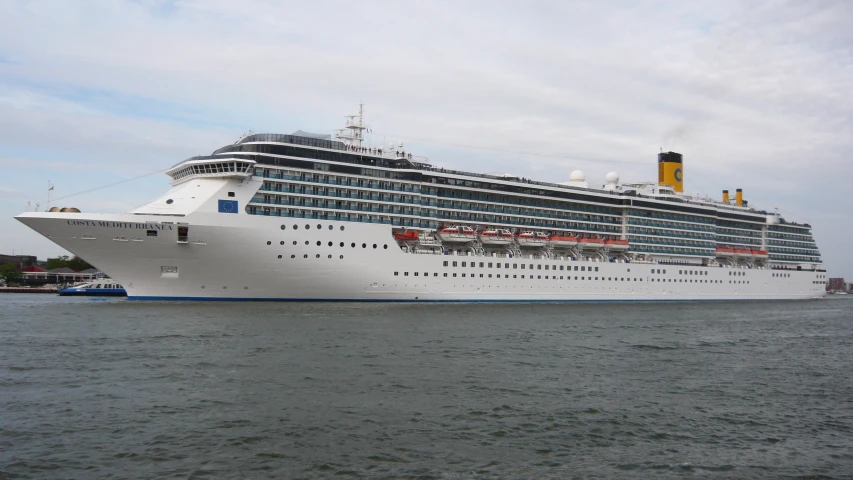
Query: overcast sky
point(756, 95)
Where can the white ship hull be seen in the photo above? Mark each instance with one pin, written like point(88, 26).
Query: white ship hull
point(227, 257)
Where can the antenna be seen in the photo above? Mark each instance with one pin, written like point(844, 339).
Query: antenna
point(49, 188)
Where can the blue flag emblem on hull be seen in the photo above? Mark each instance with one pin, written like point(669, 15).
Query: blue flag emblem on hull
point(228, 206)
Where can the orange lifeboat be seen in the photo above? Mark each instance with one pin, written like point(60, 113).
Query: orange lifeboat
point(563, 240)
point(762, 254)
point(406, 235)
point(532, 239)
point(591, 243)
point(617, 245)
point(743, 253)
point(457, 234)
point(496, 237)
point(725, 252)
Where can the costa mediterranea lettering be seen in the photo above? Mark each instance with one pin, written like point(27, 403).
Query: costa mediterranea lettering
point(110, 224)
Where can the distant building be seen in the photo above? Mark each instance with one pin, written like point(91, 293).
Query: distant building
point(836, 285)
point(19, 261)
point(37, 276)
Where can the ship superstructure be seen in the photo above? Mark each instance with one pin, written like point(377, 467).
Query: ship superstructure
point(305, 217)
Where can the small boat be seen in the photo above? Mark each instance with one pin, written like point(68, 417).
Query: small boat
point(406, 235)
point(725, 252)
point(591, 243)
point(105, 287)
point(532, 239)
point(743, 253)
point(461, 234)
point(617, 245)
point(496, 237)
point(563, 241)
point(761, 254)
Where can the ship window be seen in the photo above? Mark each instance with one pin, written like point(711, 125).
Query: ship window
point(445, 274)
point(454, 275)
point(538, 267)
point(445, 263)
point(279, 256)
point(546, 267)
point(363, 245)
point(319, 226)
point(269, 242)
point(283, 227)
point(481, 264)
point(416, 274)
point(296, 227)
point(331, 227)
point(230, 194)
point(464, 264)
point(515, 266)
point(353, 245)
point(454, 263)
point(463, 275)
point(406, 274)
point(583, 269)
point(305, 256)
point(152, 233)
point(293, 256)
point(498, 265)
point(169, 201)
point(385, 247)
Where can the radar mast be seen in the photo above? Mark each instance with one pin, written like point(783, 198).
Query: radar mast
point(353, 133)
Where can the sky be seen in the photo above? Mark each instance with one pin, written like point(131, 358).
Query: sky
point(100, 97)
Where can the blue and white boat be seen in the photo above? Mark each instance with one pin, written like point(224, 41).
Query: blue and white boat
point(104, 287)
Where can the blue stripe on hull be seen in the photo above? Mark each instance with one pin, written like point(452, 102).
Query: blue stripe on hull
point(375, 300)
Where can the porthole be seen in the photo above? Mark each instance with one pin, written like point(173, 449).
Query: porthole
point(330, 244)
point(296, 227)
point(305, 256)
point(353, 245)
point(283, 227)
point(202, 286)
point(318, 255)
point(269, 242)
point(319, 226)
point(385, 247)
point(363, 245)
point(307, 227)
point(342, 244)
point(342, 257)
point(279, 256)
point(294, 242)
point(282, 242)
point(245, 288)
point(342, 228)
point(319, 243)
point(169, 201)
point(374, 246)
point(224, 287)
point(306, 242)
point(293, 256)
point(330, 256)
point(331, 227)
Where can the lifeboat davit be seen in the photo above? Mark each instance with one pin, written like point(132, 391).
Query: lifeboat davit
point(496, 237)
point(617, 245)
point(563, 241)
point(591, 243)
point(725, 252)
point(762, 254)
point(406, 235)
point(532, 239)
point(457, 234)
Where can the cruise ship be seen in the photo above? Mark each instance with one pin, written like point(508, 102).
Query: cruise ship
point(311, 217)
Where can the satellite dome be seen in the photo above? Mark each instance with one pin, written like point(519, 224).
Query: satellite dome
point(577, 176)
point(612, 178)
